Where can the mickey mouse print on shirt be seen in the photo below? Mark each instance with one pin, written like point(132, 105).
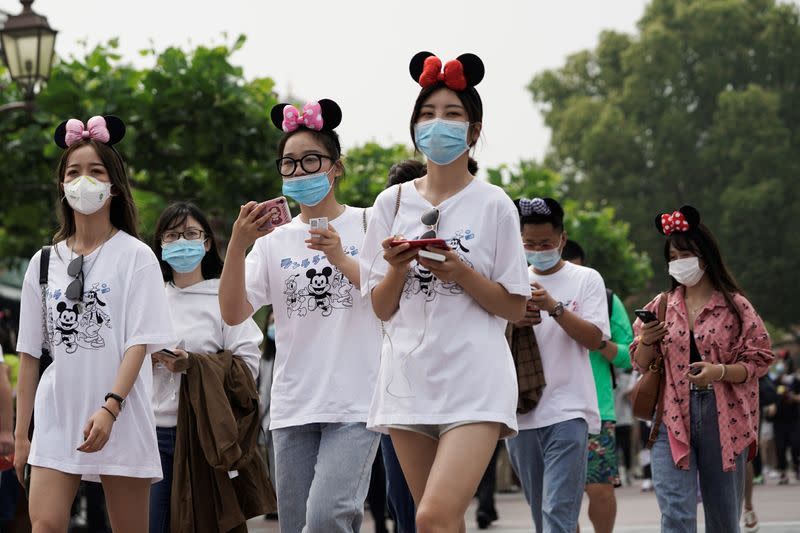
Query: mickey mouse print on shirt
point(421, 280)
point(319, 289)
point(79, 324)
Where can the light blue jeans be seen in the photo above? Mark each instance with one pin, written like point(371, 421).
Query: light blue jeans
point(551, 465)
point(676, 489)
point(322, 473)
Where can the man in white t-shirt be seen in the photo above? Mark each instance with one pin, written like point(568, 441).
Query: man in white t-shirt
point(569, 316)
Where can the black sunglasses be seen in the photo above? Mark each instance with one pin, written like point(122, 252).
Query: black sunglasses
point(75, 287)
point(431, 220)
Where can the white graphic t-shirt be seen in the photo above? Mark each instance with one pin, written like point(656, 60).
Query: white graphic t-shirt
point(327, 336)
point(445, 359)
point(570, 391)
point(124, 304)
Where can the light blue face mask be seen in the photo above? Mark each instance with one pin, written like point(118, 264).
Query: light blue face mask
point(544, 260)
point(442, 141)
point(307, 190)
point(182, 255)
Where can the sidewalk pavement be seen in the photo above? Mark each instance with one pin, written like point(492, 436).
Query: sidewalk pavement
point(778, 509)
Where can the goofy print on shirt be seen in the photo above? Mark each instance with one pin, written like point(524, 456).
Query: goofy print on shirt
point(79, 323)
point(317, 289)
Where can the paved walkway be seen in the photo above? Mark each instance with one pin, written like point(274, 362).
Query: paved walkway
point(778, 509)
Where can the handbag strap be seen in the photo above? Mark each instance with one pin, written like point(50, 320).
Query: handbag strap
point(44, 270)
point(658, 363)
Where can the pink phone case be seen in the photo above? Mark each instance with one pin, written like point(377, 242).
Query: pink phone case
point(279, 210)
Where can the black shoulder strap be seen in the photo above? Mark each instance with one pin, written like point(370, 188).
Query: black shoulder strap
point(44, 265)
point(610, 302)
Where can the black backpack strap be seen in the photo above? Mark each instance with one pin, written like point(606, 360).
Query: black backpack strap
point(610, 302)
point(44, 265)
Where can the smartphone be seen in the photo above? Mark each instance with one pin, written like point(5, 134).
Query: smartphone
point(318, 223)
point(423, 243)
point(433, 256)
point(645, 316)
point(278, 209)
point(26, 479)
point(168, 353)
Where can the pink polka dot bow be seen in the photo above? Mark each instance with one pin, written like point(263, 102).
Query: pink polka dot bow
point(95, 129)
point(674, 222)
point(311, 117)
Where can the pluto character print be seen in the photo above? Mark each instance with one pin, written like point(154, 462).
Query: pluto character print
point(74, 324)
point(421, 280)
point(314, 286)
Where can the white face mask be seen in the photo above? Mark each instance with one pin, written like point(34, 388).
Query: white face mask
point(86, 194)
point(686, 271)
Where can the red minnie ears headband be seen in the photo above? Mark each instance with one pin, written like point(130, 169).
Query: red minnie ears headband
point(108, 130)
point(458, 74)
point(685, 219)
point(324, 114)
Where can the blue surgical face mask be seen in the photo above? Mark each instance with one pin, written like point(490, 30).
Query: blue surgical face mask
point(307, 190)
point(271, 332)
point(545, 259)
point(442, 141)
point(182, 255)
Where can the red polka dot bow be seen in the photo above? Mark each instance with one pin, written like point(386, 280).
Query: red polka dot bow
point(674, 222)
point(452, 75)
point(311, 117)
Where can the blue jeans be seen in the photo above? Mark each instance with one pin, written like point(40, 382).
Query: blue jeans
point(551, 465)
point(399, 499)
point(676, 489)
point(160, 492)
point(322, 474)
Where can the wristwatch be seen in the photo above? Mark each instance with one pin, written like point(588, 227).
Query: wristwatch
point(119, 399)
point(558, 310)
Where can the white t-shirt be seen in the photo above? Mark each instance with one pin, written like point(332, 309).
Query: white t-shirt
point(570, 391)
point(445, 359)
point(327, 336)
point(199, 329)
point(124, 304)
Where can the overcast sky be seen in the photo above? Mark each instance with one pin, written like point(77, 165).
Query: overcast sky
point(357, 53)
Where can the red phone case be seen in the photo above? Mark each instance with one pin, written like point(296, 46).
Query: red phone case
point(279, 208)
point(423, 243)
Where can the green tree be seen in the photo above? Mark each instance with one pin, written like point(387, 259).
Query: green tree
point(197, 130)
point(701, 106)
point(604, 237)
point(367, 167)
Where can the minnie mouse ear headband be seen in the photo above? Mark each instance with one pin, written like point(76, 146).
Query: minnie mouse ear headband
point(542, 208)
point(108, 130)
point(322, 115)
point(458, 74)
point(684, 219)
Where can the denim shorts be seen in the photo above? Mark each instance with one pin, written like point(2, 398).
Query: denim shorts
point(433, 431)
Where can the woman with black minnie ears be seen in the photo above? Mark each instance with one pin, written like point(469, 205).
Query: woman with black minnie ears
point(447, 389)
point(715, 349)
point(104, 311)
point(327, 338)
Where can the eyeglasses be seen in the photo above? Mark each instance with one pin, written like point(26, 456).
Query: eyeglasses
point(189, 235)
point(310, 163)
point(75, 287)
point(431, 220)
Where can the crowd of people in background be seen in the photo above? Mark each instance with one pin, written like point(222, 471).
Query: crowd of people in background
point(406, 347)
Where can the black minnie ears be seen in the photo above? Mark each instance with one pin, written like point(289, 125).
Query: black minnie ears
point(465, 71)
point(107, 129)
point(684, 219)
point(319, 115)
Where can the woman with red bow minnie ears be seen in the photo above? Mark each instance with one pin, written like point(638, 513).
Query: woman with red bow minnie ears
point(102, 311)
point(447, 389)
point(327, 338)
point(715, 349)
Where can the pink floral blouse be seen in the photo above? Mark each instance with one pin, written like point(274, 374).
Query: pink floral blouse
point(718, 340)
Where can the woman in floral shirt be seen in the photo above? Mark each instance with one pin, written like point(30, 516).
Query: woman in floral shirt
point(715, 348)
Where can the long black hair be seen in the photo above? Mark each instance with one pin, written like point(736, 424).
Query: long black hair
point(700, 241)
point(172, 217)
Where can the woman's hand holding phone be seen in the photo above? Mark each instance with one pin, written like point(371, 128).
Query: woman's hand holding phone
point(652, 333)
point(328, 242)
point(251, 224)
point(176, 360)
point(399, 257)
point(22, 448)
point(450, 270)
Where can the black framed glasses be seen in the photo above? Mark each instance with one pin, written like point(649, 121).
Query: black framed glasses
point(190, 234)
point(75, 287)
point(310, 163)
point(430, 219)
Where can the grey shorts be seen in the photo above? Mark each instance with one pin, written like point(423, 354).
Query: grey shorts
point(432, 431)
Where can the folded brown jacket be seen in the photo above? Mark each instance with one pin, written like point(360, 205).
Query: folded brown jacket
point(528, 362)
point(220, 478)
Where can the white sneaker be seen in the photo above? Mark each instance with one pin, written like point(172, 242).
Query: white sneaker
point(647, 485)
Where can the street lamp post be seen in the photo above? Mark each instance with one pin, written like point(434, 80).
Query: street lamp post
point(28, 43)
